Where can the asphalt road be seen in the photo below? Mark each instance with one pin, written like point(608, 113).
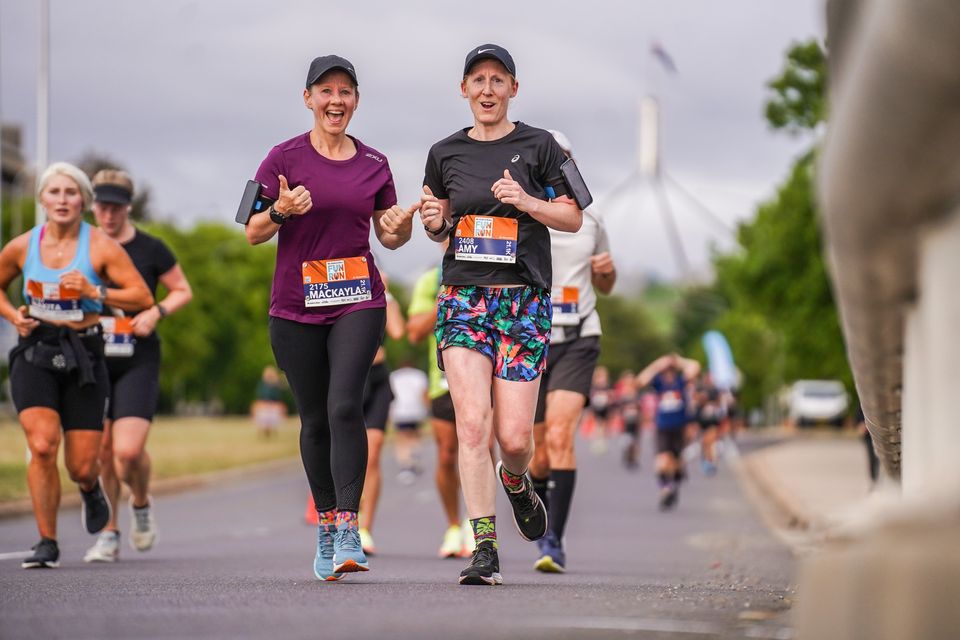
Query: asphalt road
point(235, 561)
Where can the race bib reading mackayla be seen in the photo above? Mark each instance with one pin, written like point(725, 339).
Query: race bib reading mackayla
point(339, 281)
point(486, 239)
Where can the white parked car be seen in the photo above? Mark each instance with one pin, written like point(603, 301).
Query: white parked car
point(814, 401)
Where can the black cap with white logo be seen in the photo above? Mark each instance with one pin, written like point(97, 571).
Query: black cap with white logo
point(491, 52)
point(323, 64)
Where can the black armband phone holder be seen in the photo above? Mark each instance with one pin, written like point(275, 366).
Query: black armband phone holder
point(253, 201)
point(575, 184)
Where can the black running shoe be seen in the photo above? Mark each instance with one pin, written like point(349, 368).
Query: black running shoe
point(668, 497)
point(95, 508)
point(529, 514)
point(484, 568)
point(46, 555)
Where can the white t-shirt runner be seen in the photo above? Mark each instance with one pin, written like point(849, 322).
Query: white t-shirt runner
point(573, 297)
point(410, 392)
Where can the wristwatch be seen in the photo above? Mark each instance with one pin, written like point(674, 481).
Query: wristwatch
point(443, 227)
point(161, 310)
point(101, 293)
point(277, 217)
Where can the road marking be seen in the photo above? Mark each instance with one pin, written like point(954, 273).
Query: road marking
point(15, 555)
point(661, 625)
point(665, 625)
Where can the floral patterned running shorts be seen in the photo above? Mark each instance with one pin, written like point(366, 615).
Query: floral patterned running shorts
point(509, 325)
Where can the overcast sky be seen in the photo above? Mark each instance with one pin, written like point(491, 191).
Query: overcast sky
point(191, 95)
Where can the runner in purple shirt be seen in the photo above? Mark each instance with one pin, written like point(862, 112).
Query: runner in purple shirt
point(327, 306)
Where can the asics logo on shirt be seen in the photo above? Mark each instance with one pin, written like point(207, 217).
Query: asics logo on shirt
point(515, 158)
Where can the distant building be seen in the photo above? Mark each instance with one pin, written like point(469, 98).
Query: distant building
point(12, 164)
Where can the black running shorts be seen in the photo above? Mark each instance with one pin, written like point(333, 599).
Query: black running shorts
point(377, 397)
point(670, 441)
point(441, 408)
point(135, 382)
point(79, 407)
point(570, 367)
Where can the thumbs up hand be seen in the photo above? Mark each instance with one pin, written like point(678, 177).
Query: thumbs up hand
point(431, 213)
point(508, 191)
point(399, 221)
point(294, 202)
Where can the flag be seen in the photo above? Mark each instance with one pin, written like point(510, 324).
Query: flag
point(658, 52)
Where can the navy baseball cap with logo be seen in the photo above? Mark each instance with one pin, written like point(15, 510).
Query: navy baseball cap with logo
point(490, 52)
point(323, 64)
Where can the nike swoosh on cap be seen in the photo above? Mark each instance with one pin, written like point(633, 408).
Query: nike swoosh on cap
point(484, 50)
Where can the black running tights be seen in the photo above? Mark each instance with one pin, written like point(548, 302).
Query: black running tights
point(327, 366)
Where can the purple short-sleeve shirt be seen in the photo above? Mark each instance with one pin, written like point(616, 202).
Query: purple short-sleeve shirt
point(345, 194)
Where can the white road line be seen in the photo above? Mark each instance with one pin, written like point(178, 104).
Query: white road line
point(15, 555)
point(661, 625)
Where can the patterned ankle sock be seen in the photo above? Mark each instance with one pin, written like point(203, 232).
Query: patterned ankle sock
point(512, 481)
point(328, 517)
point(485, 529)
point(350, 517)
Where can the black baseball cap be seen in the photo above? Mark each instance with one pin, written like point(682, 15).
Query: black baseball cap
point(321, 65)
point(492, 52)
point(112, 194)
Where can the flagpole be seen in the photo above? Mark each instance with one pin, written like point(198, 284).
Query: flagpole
point(43, 99)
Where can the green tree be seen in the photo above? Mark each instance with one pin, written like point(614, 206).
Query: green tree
point(631, 339)
point(799, 102)
point(782, 320)
point(215, 348)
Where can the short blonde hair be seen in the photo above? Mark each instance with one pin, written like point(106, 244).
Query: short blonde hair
point(113, 176)
point(72, 172)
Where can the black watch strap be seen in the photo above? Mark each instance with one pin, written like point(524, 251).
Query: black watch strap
point(276, 216)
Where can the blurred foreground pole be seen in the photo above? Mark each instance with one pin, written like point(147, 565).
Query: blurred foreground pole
point(43, 99)
point(889, 189)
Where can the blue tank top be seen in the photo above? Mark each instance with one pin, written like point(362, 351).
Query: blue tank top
point(41, 285)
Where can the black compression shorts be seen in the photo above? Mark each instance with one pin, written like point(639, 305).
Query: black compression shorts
point(79, 407)
point(670, 441)
point(135, 382)
point(377, 397)
point(570, 367)
point(441, 408)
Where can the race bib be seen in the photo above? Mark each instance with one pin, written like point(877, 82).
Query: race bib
point(118, 339)
point(332, 282)
point(486, 239)
point(566, 306)
point(52, 302)
point(671, 401)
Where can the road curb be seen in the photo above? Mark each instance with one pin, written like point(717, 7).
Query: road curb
point(795, 515)
point(166, 486)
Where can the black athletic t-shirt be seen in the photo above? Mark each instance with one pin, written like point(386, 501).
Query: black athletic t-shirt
point(463, 170)
point(152, 258)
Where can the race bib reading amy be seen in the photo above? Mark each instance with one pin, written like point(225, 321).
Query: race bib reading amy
point(486, 239)
point(52, 302)
point(331, 282)
point(566, 306)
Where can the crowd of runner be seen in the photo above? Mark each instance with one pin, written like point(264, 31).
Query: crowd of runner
point(509, 314)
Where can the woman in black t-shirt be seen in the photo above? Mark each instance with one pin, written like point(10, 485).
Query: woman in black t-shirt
point(133, 361)
point(481, 190)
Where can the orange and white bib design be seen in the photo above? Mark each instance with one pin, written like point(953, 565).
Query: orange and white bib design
point(338, 281)
point(118, 339)
point(566, 306)
point(52, 302)
point(486, 239)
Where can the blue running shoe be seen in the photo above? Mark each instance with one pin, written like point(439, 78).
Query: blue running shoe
point(348, 554)
point(552, 558)
point(323, 563)
point(709, 467)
